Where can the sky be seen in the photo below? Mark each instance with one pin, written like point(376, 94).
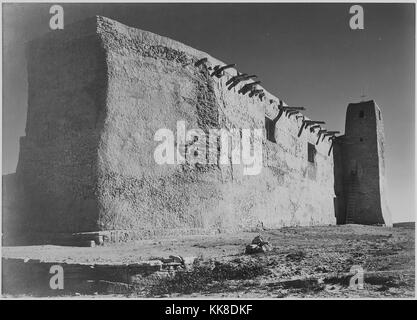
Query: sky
point(303, 53)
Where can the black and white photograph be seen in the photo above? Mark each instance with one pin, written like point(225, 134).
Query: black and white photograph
point(235, 151)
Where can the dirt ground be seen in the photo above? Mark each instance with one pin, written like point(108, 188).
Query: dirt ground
point(305, 262)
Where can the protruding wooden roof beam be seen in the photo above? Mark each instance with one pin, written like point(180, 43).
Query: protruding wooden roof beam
point(240, 79)
point(331, 133)
point(308, 123)
point(291, 113)
point(330, 149)
point(200, 62)
point(255, 92)
point(237, 77)
point(311, 122)
point(321, 131)
point(288, 108)
point(217, 72)
point(247, 87)
point(314, 127)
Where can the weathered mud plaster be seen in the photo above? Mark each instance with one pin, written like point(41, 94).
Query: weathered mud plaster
point(98, 92)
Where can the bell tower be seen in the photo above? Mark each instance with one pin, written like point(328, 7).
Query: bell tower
point(362, 149)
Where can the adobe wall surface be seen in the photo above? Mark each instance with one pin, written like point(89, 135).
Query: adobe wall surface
point(97, 95)
point(340, 187)
point(385, 210)
point(11, 204)
point(66, 108)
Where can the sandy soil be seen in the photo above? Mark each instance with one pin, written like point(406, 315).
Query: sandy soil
point(310, 262)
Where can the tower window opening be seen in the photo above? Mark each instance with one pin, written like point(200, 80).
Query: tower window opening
point(360, 139)
point(379, 114)
point(311, 153)
point(361, 114)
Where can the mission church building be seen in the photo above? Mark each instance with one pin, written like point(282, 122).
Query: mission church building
point(98, 91)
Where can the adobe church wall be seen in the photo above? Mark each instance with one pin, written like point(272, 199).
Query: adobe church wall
point(100, 91)
point(153, 84)
point(66, 103)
